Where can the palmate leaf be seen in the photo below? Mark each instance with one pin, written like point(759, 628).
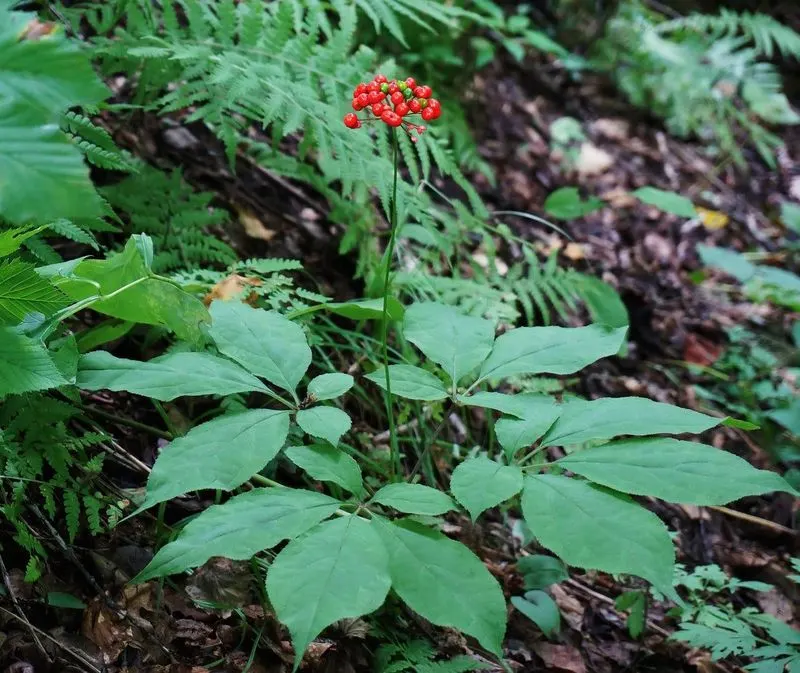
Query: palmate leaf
point(23, 291)
point(219, 454)
point(338, 569)
point(242, 527)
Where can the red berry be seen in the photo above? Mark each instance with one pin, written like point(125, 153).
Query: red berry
point(380, 79)
point(428, 114)
point(397, 98)
point(402, 109)
point(391, 118)
point(423, 91)
point(375, 97)
point(357, 104)
point(363, 99)
point(373, 86)
point(351, 121)
point(435, 104)
point(411, 82)
point(393, 86)
point(361, 88)
point(414, 105)
point(378, 108)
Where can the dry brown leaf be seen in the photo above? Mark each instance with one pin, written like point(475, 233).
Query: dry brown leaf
point(561, 657)
point(613, 129)
point(700, 351)
point(254, 227)
point(571, 608)
point(592, 160)
point(574, 251)
point(35, 30)
point(232, 287)
point(619, 198)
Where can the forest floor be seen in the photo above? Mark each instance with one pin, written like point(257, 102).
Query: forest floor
point(648, 255)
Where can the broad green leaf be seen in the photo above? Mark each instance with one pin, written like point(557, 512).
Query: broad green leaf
point(444, 581)
point(64, 352)
point(49, 74)
point(240, 528)
point(42, 174)
point(514, 434)
point(338, 570)
point(410, 382)
point(328, 423)
point(147, 299)
point(521, 405)
point(103, 333)
point(636, 603)
point(540, 609)
point(591, 527)
point(329, 386)
point(23, 291)
point(25, 365)
point(603, 301)
point(414, 499)
point(550, 350)
point(673, 470)
point(368, 309)
point(669, 202)
point(788, 417)
point(220, 454)
point(729, 261)
point(581, 421)
point(265, 343)
point(58, 599)
point(167, 376)
point(540, 571)
point(325, 463)
point(480, 483)
point(456, 342)
point(566, 204)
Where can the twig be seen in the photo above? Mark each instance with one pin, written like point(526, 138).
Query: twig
point(82, 658)
point(766, 523)
point(20, 611)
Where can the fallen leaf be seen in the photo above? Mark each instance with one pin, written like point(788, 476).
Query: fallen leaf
point(254, 227)
point(231, 288)
point(613, 129)
point(619, 198)
point(774, 603)
point(36, 30)
point(592, 160)
point(698, 350)
point(571, 608)
point(712, 219)
point(561, 657)
point(574, 251)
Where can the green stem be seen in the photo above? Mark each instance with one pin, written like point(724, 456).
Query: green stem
point(394, 458)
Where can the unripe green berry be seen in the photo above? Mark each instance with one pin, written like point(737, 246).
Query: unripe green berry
point(408, 93)
point(385, 87)
point(423, 102)
point(402, 86)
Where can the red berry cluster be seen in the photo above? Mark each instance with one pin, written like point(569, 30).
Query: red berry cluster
point(393, 101)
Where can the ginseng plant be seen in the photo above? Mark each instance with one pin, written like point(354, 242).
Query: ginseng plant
point(395, 103)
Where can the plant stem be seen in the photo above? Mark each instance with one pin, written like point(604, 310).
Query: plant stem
point(394, 451)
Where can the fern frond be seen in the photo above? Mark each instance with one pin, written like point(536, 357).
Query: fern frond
point(96, 143)
point(74, 232)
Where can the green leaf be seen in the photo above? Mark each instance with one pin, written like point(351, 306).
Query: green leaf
point(566, 204)
point(514, 434)
point(220, 454)
point(603, 301)
point(264, 342)
point(326, 463)
point(790, 215)
point(42, 174)
point(414, 499)
point(456, 342)
point(329, 386)
point(103, 333)
point(368, 309)
point(58, 599)
point(23, 291)
point(521, 405)
point(636, 603)
point(669, 202)
point(328, 423)
point(166, 377)
point(410, 382)
point(152, 300)
point(550, 350)
point(581, 421)
point(540, 609)
point(673, 470)
point(25, 365)
point(541, 571)
point(480, 483)
point(593, 528)
point(729, 261)
point(788, 417)
point(12, 239)
point(444, 581)
point(240, 528)
point(337, 570)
